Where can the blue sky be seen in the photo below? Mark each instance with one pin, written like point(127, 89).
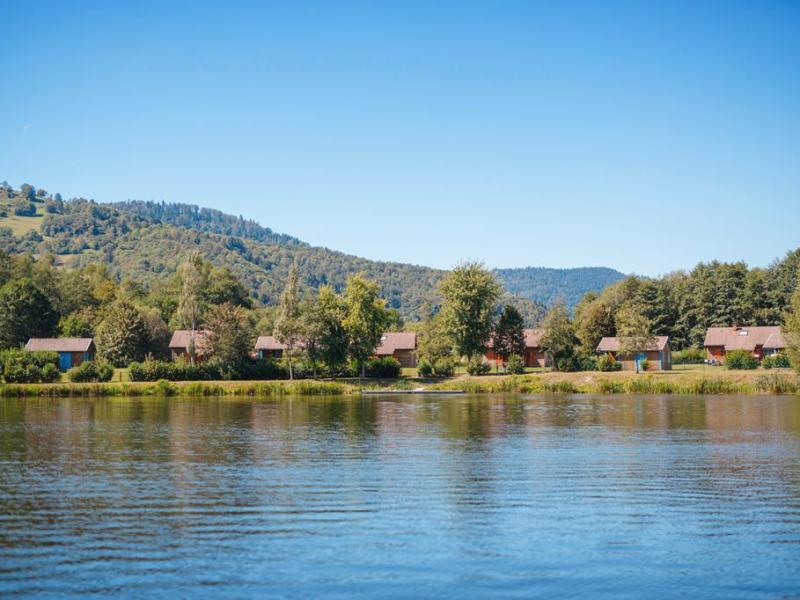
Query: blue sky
point(641, 136)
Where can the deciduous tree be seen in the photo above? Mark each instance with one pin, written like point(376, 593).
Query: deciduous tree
point(365, 318)
point(509, 335)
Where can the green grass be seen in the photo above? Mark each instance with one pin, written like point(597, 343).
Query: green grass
point(20, 225)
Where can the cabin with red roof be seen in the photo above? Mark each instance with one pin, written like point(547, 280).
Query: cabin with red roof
point(759, 341)
point(534, 355)
point(658, 354)
point(184, 339)
point(401, 345)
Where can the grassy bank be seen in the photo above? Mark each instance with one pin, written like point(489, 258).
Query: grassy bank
point(679, 381)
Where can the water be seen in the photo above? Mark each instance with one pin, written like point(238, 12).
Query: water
point(514, 496)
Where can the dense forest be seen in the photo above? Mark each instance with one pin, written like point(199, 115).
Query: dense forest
point(548, 286)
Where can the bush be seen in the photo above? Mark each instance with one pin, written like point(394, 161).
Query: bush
point(155, 370)
point(644, 365)
point(386, 368)
point(607, 364)
point(424, 368)
point(24, 209)
point(776, 361)
point(689, 356)
point(740, 359)
point(20, 366)
point(515, 365)
point(776, 384)
point(476, 366)
point(444, 367)
point(91, 371)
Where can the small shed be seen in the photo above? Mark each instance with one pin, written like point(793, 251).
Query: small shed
point(71, 351)
point(400, 345)
point(658, 354)
point(268, 347)
point(183, 339)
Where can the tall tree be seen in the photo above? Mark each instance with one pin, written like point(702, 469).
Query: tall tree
point(289, 323)
point(509, 335)
point(324, 334)
point(229, 339)
point(791, 330)
point(634, 331)
point(121, 336)
point(191, 305)
point(469, 295)
point(366, 318)
point(558, 340)
point(25, 312)
point(594, 322)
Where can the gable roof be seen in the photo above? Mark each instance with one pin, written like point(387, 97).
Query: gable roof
point(59, 344)
point(269, 342)
point(533, 338)
point(396, 340)
point(611, 344)
point(181, 338)
point(745, 338)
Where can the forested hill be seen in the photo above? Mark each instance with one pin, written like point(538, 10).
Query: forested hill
point(145, 241)
point(549, 285)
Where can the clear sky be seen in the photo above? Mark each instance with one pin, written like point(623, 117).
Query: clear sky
point(641, 136)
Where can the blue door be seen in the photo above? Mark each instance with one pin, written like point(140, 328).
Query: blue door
point(65, 361)
point(639, 358)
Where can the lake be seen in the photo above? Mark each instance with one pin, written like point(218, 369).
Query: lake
point(502, 496)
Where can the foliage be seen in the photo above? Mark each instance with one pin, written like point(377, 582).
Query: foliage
point(740, 359)
point(386, 368)
point(558, 340)
point(25, 312)
point(515, 365)
point(775, 383)
point(791, 330)
point(644, 365)
point(606, 363)
point(121, 336)
point(634, 331)
point(77, 324)
point(191, 307)
point(776, 361)
point(365, 318)
point(469, 294)
point(91, 371)
point(229, 338)
point(324, 335)
point(477, 366)
point(249, 369)
point(20, 366)
point(689, 356)
point(424, 368)
point(547, 286)
point(289, 322)
point(509, 335)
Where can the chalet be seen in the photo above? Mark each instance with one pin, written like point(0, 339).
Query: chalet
point(183, 339)
point(534, 355)
point(658, 354)
point(267, 346)
point(759, 341)
point(71, 351)
point(401, 345)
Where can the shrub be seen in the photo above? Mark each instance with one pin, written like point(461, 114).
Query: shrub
point(567, 364)
point(604, 386)
point(94, 371)
point(689, 356)
point(515, 365)
point(24, 209)
point(587, 362)
point(644, 365)
point(740, 359)
point(386, 368)
point(607, 364)
point(444, 367)
point(20, 366)
point(776, 361)
point(476, 366)
point(560, 387)
point(424, 368)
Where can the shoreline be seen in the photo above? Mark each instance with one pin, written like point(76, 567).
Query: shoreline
point(657, 383)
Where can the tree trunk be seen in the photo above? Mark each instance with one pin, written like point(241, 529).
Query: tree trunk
point(362, 372)
point(291, 372)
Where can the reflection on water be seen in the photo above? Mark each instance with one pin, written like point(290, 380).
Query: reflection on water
point(405, 497)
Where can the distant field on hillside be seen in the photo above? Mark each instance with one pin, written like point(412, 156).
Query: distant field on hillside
point(19, 225)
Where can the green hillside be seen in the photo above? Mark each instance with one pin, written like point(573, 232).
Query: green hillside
point(146, 241)
point(549, 285)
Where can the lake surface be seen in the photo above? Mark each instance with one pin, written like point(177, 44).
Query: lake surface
point(512, 496)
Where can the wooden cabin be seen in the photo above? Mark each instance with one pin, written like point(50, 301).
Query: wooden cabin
point(759, 341)
point(268, 347)
point(400, 345)
point(71, 351)
point(534, 355)
point(658, 354)
point(183, 339)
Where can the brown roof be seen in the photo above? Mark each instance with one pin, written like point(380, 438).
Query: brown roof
point(396, 340)
point(745, 338)
point(611, 344)
point(181, 337)
point(269, 342)
point(59, 344)
point(533, 338)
